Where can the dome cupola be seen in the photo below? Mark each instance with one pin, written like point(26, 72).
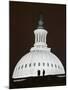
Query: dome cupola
point(40, 37)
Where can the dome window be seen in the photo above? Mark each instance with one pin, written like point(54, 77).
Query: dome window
point(25, 65)
point(43, 64)
point(55, 66)
point(34, 64)
point(30, 65)
point(21, 66)
point(51, 65)
point(38, 64)
point(48, 64)
point(59, 67)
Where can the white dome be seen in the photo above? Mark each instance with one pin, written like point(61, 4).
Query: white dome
point(29, 65)
point(39, 61)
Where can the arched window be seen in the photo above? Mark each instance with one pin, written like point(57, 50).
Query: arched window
point(30, 65)
point(43, 64)
point(25, 65)
point(21, 66)
point(48, 64)
point(51, 65)
point(34, 64)
point(39, 64)
point(55, 66)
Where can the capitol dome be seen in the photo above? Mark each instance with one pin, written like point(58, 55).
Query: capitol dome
point(40, 61)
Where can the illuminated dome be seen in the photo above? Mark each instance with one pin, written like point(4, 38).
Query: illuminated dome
point(40, 61)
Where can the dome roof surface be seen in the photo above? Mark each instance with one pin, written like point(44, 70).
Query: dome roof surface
point(29, 65)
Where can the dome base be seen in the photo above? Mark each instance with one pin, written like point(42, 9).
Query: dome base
point(51, 80)
point(40, 49)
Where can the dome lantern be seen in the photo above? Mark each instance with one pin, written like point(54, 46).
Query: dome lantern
point(40, 37)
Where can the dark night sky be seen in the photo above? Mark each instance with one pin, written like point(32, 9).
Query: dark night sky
point(23, 21)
